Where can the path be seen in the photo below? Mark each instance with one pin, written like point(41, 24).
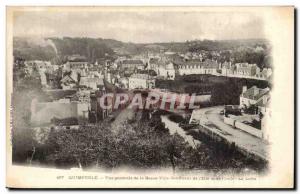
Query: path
point(242, 139)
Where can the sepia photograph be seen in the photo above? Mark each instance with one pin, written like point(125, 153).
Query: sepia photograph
point(150, 97)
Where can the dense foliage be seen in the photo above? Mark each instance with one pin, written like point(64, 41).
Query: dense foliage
point(210, 45)
point(28, 50)
point(138, 143)
point(223, 90)
point(92, 49)
point(57, 49)
point(25, 89)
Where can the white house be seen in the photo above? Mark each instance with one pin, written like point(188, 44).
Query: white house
point(253, 96)
point(197, 67)
point(132, 64)
point(91, 82)
point(67, 82)
point(43, 112)
point(227, 68)
point(141, 81)
point(124, 82)
point(166, 70)
point(43, 79)
point(246, 69)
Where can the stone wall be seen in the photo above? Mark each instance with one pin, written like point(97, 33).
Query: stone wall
point(244, 127)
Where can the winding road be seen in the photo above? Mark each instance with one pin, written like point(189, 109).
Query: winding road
point(252, 144)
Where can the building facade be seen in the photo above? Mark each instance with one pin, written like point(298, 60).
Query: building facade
point(132, 64)
point(197, 67)
point(253, 96)
point(246, 69)
point(141, 81)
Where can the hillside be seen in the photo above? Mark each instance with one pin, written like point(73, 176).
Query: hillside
point(30, 49)
point(56, 49)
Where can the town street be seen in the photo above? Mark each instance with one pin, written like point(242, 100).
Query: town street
point(252, 144)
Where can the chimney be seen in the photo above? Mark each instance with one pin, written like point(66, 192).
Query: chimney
point(244, 89)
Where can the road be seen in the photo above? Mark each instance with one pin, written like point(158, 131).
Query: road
point(252, 144)
point(174, 128)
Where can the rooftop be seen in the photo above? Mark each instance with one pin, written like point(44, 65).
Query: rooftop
point(57, 94)
point(262, 103)
point(154, 60)
point(84, 80)
point(245, 65)
point(206, 64)
point(255, 93)
point(133, 61)
point(141, 76)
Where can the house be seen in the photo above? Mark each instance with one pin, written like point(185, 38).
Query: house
point(227, 68)
point(56, 94)
point(253, 96)
point(171, 56)
point(123, 82)
point(92, 82)
point(84, 96)
point(166, 70)
point(132, 64)
point(40, 66)
point(141, 81)
point(153, 63)
point(95, 73)
point(263, 105)
point(265, 73)
point(43, 113)
point(210, 66)
point(67, 82)
point(43, 79)
point(246, 69)
point(197, 67)
point(75, 62)
point(190, 67)
point(97, 112)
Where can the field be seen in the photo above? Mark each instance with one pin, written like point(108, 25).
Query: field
point(224, 90)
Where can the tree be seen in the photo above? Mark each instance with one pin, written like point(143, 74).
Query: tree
point(23, 136)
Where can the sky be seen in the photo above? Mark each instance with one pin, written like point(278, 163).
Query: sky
point(137, 26)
